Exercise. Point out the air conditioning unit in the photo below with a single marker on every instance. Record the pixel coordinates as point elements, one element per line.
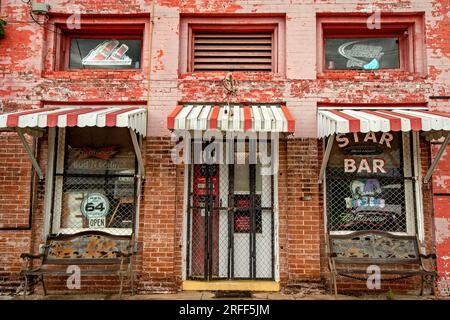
<point>40,8</point>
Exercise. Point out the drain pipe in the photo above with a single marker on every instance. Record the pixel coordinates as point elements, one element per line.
<point>150,49</point>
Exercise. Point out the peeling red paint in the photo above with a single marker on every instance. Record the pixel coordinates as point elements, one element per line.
<point>159,65</point>
<point>27,80</point>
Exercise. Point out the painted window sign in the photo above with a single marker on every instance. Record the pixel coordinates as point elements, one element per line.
<point>365,183</point>
<point>105,53</point>
<point>362,53</point>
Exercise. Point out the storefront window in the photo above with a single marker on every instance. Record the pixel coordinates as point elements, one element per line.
<point>95,187</point>
<point>362,53</point>
<point>105,53</point>
<point>366,183</point>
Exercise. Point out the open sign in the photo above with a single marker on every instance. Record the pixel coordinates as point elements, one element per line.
<point>97,223</point>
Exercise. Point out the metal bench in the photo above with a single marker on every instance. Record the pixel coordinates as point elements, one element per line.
<point>99,253</point>
<point>398,257</point>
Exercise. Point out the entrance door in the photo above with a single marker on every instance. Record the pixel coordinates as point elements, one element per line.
<point>204,226</point>
<point>230,223</point>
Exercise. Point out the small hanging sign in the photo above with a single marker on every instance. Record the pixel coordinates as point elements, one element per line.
<point>242,224</point>
<point>95,207</point>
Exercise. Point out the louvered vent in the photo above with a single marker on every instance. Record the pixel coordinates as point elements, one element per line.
<point>238,51</point>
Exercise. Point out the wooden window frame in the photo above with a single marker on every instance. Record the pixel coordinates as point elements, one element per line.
<point>409,190</point>
<point>58,170</point>
<point>129,27</point>
<point>407,28</point>
<point>237,24</point>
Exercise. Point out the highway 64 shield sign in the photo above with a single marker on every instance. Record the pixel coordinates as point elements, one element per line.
<point>95,207</point>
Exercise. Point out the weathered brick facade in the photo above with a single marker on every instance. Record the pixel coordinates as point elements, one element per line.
<point>28,80</point>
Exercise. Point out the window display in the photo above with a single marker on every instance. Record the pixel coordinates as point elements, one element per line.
<point>96,183</point>
<point>366,183</point>
<point>362,53</point>
<point>105,53</point>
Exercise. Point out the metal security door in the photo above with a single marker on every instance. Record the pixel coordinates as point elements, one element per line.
<point>204,222</point>
<point>230,223</point>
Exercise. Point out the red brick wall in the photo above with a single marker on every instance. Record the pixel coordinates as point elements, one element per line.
<point>27,81</point>
<point>161,219</point>
<point>16,183</point>
<point>300,219</point>
<point>15,174</point>
<point>441,199</point>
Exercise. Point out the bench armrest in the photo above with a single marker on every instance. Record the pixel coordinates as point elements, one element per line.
<point>428,256</point>
<point>123,254</point>
<point>31,256</point>
<point>27,259</point>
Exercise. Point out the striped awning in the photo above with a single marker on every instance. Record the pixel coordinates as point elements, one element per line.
<point>336,121</point>
<point>269,118</point>
<point>133,117</point>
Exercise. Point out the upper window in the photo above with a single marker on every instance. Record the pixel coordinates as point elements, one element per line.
<point>362,53</point>
<point>232,44</point>
<point>97,44</point>
<point>111,53</point>
<point>347,43</point>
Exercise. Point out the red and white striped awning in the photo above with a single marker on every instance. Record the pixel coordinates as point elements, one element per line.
<point>268,118</point>
<point>336,121</point>
<point>100,116</point>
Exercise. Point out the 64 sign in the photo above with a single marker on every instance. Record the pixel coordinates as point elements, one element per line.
<point>95,207</point>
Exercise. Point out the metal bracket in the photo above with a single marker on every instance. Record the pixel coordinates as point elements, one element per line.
<point>138,153</point>
<point>438,157</point>
<point>34,162</point>
<point>326,156</point>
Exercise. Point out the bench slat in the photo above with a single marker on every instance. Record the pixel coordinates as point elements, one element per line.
<point>89,250</point>
<point>372,247</point>
<point>83,261</point>
<point>363,271</point>
<point>379,261</point>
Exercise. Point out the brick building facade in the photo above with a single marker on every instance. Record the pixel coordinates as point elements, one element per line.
<point>38,71</point>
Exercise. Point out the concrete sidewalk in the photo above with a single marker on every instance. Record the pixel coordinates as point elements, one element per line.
<point>195,295</point>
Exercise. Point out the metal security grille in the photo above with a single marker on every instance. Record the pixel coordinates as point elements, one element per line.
<point>94,185</point>
<point>362,199</point>
<point>230,230</point>
<point>351,210</point>
<point>119,190</point>
<point>232,51</point>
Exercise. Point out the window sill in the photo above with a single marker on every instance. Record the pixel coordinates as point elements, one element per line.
<point>113,231</point>
<point>237,75</point>
<point>385,74</point>
<point>395,233</point>
<point>132,74</point>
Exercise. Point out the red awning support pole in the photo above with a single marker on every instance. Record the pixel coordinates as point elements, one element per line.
<point>326,156</point>
<point>138,153</point>
<point>34,162</point>
<point>437,158</point>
